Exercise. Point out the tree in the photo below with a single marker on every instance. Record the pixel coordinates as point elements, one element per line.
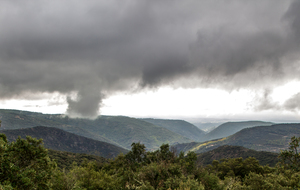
<point>137,154</point>
<point>291,158</point>
<point>24,164</point>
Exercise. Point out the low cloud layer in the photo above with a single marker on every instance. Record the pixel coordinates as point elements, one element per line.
<point>95,48</point>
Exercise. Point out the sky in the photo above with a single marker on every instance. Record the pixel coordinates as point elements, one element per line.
<point>193,59</point>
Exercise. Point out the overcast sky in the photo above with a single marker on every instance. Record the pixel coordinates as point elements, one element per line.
<point>158,58</point>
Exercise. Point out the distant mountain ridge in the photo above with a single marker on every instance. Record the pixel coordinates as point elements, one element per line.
<point>261,138</point>
<point>17,119</point>
<point>61,140</point>
<point>230,128</point>
<point>118,130</point>
<point>180,127</point>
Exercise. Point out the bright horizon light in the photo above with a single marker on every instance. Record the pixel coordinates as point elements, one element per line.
<point>173,103</point>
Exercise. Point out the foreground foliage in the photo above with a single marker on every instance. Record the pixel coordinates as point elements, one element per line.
<point>164,169</point>
<point>24,164</point>
<point>66,159</point>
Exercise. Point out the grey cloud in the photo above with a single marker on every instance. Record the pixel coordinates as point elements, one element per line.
<point>95,48</point>
<point>86,104</point>
<point>57,101</point>
<point>293,103</point>
<point>293,17</point>
<point>265,102</point>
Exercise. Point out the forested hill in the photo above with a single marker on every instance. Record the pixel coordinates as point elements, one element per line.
<point>180,127</point>
<point>17,119</point>
<point>58,139</point>
<point>118,130</point>
<point>262,138</point>
<point>227,151</point>
<point>230,128</point>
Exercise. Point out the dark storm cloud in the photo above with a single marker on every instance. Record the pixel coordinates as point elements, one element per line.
<point>293,17</point>
<point>94,48</point>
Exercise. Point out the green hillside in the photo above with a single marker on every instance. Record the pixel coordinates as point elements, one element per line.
<point>230,128</point>
<point>262,138</point>
<point>227,151</point>
<point>61,140</point>
<point>17,119</point>
<point>180,127</point>
<point>118,130</point>
<point>126,130</point>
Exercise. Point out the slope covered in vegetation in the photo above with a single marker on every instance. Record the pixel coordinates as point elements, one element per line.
<point>227,151</point>
<point>118,130</point>
<point>262,138</point>
<point>180,127</point>
<point>229,128</point>
<point>58,139</point>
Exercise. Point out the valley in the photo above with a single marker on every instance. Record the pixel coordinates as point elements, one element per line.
<point>107,136</point>
<point>109,147</point>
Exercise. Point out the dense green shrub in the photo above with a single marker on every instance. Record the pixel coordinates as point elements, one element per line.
<point>24,164</point>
